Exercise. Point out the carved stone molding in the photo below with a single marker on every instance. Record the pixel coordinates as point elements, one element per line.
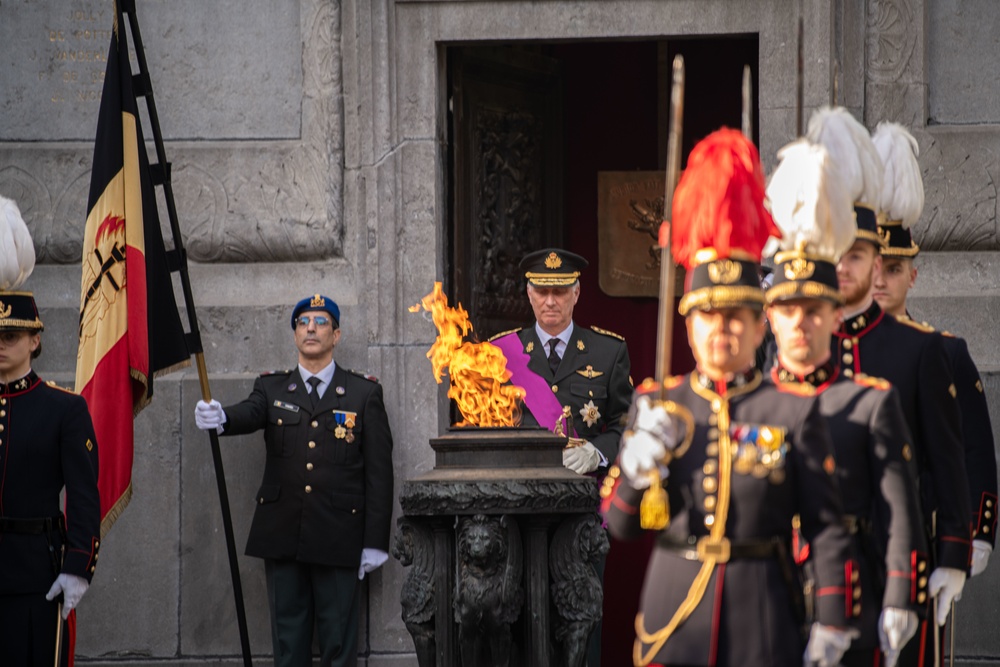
<point>255,200</point>
<point>891,34</point>
<point>454,497</point>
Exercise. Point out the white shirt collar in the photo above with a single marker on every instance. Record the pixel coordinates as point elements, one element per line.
<point>563,335</point>
<point>325,376</point>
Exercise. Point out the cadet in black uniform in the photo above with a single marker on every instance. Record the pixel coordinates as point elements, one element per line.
<point>876,344</point>
<point>902,204</point>
<point>47,444</point>
<point>324,505</point>
<point>870,437</point>
<point>585,370</point>
<point>738,457</point>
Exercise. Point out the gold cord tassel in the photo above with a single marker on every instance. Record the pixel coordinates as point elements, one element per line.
<point>654,509</point>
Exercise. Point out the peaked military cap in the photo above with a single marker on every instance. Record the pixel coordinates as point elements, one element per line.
<point>552,267</point>
<point>317,302</point>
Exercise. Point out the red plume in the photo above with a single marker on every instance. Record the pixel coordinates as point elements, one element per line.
<point>719,201</point>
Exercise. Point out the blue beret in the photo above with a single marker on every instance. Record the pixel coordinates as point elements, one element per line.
<point>317,302</point>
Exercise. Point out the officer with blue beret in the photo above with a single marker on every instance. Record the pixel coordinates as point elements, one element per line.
<point>325,502</point>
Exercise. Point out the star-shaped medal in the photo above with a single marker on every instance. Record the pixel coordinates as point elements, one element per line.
<point>589,413</point>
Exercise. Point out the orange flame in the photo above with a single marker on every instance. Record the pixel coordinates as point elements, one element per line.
<point>477,371</point>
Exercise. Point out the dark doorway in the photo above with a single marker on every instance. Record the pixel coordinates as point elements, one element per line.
<point>599,106</point>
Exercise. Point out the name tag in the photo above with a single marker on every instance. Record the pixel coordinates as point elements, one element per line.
<point>286,406</point>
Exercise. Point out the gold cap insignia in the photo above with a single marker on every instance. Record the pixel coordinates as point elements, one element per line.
<point>317,301</point>
<point>5,309</point>
<point>553,261</point>
<point>799,269</point>
<point>724,272</point>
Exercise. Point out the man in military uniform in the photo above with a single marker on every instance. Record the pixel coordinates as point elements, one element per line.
<point>902,204</point>
<point>324,506</point>
<point>47,558</point>
<point>736,457</point>
<point>563,366</point>
<point>877,345</point>
<point>870,437</point>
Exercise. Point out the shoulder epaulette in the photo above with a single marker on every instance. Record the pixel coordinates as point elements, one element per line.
<point>608,333</point>
<point>503,333</point>
<point>796,388</point>
<point>51,383</point>
<point>287,371</point>
<point>875,382</point>
<point>649,385</point>
<point>366,376</point>
<point>919,326</point>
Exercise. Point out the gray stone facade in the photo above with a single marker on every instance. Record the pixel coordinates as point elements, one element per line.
<point>309,153</point>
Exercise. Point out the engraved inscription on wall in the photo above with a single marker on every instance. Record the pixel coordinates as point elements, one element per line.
<point>221,69</point>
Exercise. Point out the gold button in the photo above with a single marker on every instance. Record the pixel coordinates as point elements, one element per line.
<point>354,511</point>
<point>97,543</point>
<point>261,501</point>
<point>856,610</point>
<point>712,449</point>
<point>96,556</point>
<point>709,520</point>
<point>854,575</point>
<point>986,529</point>
<point>922,582</point>
<point>309,466</point>
<point>989,503</point>
<point>3,413</point>
<point>709,485</point>
<point>848,344</point>
<point>3,401</point>
<point>848,372</point>
<point>709,467</point>
<point>713,419</point>
<point>848,358</point>
<point>921,598</point>
<point>92,568</point>
<point>280,422</point>
<point>857,593</point>
<point>309,489</point>
<point>713,434</point>
<point>314,424</point>
<point>710,503</point>
<point>555,388</point>
<point>987,514</point>
<point>312,445</point>
<point>921,566</point>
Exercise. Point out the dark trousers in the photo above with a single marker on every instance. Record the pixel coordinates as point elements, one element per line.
<point>300,595</point>
<point>28,631</point>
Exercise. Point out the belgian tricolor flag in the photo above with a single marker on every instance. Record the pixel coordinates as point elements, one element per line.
<point>130,329</point>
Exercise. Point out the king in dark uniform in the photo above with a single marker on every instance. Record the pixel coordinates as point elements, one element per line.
<point>871,440</point>
<point>901,206</point>
<point>876,344</point>
<point>735,457</point>
<point>325,502</point>
<point>47,445</point>
<point>567,370</point>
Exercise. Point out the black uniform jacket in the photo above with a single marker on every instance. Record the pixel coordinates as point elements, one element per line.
<point>594,371</point>
<point>914,361</point>
<point>46,442</point>
<point>877,478</point>
<point>782,465</point>
<point>327,487</point>
<point>977,437</point>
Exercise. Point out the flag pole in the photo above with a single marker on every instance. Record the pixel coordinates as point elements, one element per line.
<point>177,261</point>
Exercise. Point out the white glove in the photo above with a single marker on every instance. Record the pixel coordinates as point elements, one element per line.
<point>209,415</point>
<point>582,459</point>
<point>72,588</point>
<point>981,550</point>
<point>371,560</point>
<point>946,585</point>
<point>896,627</point>
<point>827,645</point>
<point>646,446</point>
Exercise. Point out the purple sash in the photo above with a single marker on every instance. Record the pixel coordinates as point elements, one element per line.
<point>539,399</point>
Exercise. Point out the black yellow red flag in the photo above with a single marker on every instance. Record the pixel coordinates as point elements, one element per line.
<point>130,330</point>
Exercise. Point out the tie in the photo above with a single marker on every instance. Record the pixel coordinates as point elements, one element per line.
<point>314,394</point>
<point>553,357</point>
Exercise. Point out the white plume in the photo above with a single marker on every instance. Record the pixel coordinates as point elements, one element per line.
<point>852,151</point>
<point>902,186</point>
<point>810,202</point>
<point>17,252</point>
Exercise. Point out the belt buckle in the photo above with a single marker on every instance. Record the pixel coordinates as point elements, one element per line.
<point>717,550</point>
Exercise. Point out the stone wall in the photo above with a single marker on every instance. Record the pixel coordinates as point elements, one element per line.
<point>309,153</point>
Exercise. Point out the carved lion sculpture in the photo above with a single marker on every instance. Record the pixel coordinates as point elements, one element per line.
<point>488,591</point>
<point>576,590</point>
<point>414,548</point>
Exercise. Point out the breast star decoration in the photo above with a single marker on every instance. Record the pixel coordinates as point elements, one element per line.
<point>589,413</point>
